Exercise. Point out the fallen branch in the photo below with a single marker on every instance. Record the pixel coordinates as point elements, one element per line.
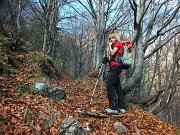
<point>90,114</point>
<point>120,116</point>
<point>85,114</point>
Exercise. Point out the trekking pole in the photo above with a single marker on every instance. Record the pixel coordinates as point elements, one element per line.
<point>101,75</point>
<point>102,78</point>
<point>100,93</point>
<point>96,83</point>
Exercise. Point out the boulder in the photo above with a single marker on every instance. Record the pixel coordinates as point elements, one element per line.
<point>48,90</point>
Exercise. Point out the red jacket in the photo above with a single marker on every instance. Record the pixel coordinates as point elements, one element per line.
<point>117,44</point>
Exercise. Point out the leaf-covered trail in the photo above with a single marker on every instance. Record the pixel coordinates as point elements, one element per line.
<point>33,114</point>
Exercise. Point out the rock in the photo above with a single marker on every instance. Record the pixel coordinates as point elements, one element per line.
<point>119,128</point>
<point>71,127</point>
<point>48,90</point>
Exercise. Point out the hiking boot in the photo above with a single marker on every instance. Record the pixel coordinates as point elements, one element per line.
<point>110,111</point>
<point>121,110</point>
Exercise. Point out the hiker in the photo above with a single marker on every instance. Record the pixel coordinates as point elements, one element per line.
<point>114,89</point>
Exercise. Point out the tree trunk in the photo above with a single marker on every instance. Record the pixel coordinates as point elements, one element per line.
<point>49,29</point>
<point>18,22</point>
<point>99,34</point>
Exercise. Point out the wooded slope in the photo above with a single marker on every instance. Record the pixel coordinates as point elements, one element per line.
<point>25,113</point>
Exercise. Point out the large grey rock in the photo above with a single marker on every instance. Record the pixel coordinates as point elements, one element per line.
<point>48,90</point>
<point>71,127</point>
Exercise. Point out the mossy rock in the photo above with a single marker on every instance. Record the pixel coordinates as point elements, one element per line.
<point>46,64</point>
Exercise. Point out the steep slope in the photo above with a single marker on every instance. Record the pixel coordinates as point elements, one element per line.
<point>25,113</point>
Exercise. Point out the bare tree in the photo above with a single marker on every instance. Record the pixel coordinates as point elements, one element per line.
<point>50,9</point>
<point>103,22</point>
<point>11,18</point>
<point>47,12</point>
<point>77,46</point>
<point>160,81</point>
<point>145,35</point>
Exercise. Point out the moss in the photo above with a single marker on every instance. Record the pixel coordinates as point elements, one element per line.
<point>7,58</point>
<point>5,61</point>
<point>46,64</point>
<point>130,106</point>
<point>39,57</point>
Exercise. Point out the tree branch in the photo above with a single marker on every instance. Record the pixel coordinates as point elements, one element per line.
<point>170,18</point>
<point>90,114</point>
<point>160,46</point>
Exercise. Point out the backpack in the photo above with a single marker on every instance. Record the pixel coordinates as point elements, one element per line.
<point>126,57</point>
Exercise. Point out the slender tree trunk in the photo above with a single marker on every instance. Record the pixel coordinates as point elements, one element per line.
<point>18,22</point>
<point>99,33</point>
<point>49,29</point>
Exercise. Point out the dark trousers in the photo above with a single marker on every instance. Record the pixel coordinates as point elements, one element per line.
<point>114,89</point>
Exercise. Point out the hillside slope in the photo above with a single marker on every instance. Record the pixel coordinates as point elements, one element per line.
<point>25,113</point>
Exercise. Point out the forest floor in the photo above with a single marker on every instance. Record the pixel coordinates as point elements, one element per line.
<point>24,113</point>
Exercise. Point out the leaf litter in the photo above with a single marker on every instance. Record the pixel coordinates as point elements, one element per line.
<point>33,114</point>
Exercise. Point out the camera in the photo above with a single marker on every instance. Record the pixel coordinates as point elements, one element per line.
<point>105,59</point>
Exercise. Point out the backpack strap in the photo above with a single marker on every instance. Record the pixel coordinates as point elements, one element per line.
<point>117,58</point>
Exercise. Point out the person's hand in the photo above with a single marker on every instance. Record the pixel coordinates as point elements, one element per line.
<point>110,43</point>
